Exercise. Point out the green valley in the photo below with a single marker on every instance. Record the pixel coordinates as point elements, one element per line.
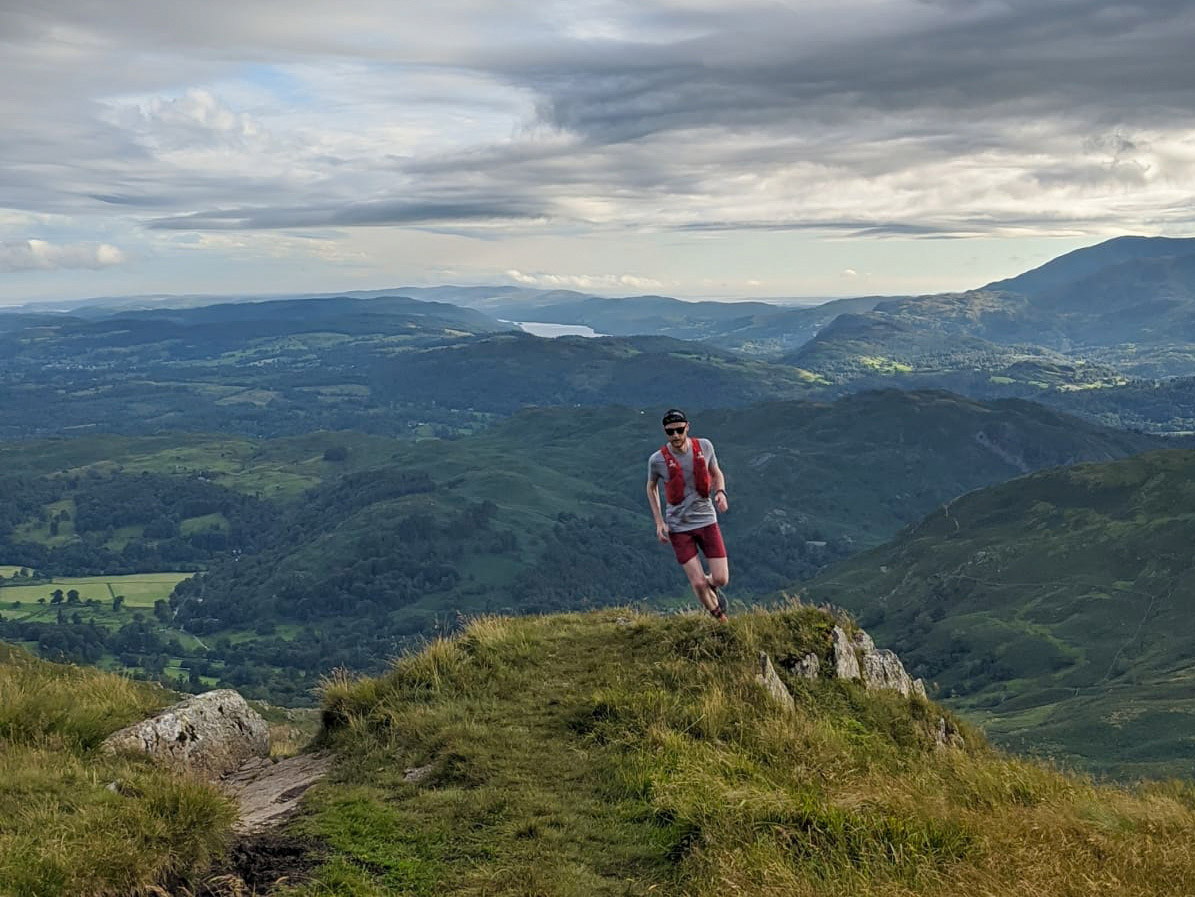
<point>348,561</point>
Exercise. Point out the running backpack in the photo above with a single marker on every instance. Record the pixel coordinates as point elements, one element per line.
<point>674,489</point>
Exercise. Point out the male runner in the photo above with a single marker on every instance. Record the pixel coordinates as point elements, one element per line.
<point>694,487</point>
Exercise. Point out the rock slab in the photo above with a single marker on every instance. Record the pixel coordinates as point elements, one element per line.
<point>882,669</point>
<point>210,735</point>
<point>268,793</point>
<point>846,664</point>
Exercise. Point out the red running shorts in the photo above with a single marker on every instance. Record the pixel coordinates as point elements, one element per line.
<point>708,539</point>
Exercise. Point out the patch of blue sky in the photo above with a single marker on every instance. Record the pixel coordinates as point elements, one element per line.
<point>279,83</point>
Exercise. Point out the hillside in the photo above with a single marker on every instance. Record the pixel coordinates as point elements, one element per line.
<point>1124,308</point>
<point>1083,263</point>
<point>617,753</point>
<point>609,753</point>
<point>389,366</point>
<point>1053,608</point>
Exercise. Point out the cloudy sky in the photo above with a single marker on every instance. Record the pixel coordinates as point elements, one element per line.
<point>688,147</point>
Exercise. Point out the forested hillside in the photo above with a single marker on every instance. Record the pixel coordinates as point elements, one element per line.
<point>1055,608</point>
<point>338,549</point>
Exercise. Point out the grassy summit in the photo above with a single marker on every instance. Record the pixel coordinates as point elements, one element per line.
<point>614,753</point>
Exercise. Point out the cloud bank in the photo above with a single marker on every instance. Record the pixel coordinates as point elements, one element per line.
<point>32,255</point>
<point>860,118</point>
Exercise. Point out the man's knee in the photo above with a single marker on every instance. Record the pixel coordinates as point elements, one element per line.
<point>720,578</point>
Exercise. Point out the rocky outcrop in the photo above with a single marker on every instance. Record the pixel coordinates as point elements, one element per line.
<point>209,735</point>
<point>770,680</point>
<point>883,669</point>
<point>858,658</point>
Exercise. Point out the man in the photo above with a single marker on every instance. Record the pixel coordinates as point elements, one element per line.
<point>694,491</point>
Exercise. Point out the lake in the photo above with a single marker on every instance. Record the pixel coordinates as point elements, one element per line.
<point>539,328</point>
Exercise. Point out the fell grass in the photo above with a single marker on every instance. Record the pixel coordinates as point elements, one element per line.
<point>615,753</point>
<point>76,822</point>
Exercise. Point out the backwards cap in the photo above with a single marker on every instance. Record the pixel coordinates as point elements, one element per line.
<point>675,416</point>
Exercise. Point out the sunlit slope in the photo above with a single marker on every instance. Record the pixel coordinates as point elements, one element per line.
<point>614,753</point>
<point>1056,608</point>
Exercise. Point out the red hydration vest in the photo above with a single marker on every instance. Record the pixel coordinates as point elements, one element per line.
<point>674,489</point>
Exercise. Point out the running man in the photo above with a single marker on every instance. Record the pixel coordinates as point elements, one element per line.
<point>695,490</point>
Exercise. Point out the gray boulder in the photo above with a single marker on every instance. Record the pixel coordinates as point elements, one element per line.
<point>846,664</point>
<point>210,735</point>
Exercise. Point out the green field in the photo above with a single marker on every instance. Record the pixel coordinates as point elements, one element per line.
<point>139,589</point>
<point>7,571</point>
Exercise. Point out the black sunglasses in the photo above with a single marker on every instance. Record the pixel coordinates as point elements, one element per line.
<point>672,431</point>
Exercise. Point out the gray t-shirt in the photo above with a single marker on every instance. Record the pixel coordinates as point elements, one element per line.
<point>693,512</point>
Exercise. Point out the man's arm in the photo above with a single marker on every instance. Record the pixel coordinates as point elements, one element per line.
<point>653,502</point>
<point>718,487</point>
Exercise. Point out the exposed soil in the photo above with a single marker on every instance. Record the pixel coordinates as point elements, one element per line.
<point>261,862</point>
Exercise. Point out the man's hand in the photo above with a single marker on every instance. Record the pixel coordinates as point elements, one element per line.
<point>662,532</point>
<point>721,503</point>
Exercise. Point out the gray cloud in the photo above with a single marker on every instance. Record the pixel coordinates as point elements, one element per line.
<point>907,118</point>
<point>388,212</point>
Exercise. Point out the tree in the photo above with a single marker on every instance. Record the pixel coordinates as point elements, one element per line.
<point>117,601</point>
<point>56,596</point>
<point>72,596</point>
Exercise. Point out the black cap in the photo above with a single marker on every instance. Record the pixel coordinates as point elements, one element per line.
<point>675,416</point>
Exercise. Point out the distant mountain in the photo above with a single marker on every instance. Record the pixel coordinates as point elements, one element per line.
<point>1122,309</point>
<point>1054,608</point>
<point>505,372</point>
<point>1081,264</point>
<point>273,367</point>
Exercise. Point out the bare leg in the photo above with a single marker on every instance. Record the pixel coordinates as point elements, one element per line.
<point>700,584</point>
<point>719,571</point>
